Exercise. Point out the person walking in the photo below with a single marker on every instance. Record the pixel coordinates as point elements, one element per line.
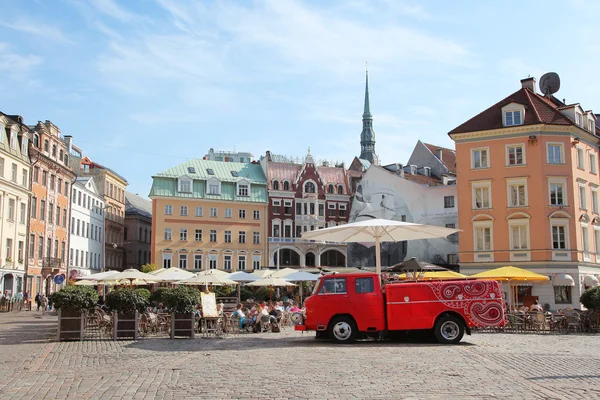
<point>38,301</point>
<point>44,303</point>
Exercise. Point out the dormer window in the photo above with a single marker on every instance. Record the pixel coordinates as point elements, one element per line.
<point>210,171</point>
<point>213,186</point>
<point>427,171</point>
<point>36,140</point>
<point>185,185</point>
<point>286,185</point>
<point>243,188</point>
<point>24,146</point>
<point>579,119</point>
<point>513,114</point>
<point>309,187</point>
<point>330,189</point>
<point>340,189</point>
<point>234,174</point>
<point>13,140</point>
<point>413,169</point>
<point>191,170</point>
<point>513,118</point>
<point>275,185</point>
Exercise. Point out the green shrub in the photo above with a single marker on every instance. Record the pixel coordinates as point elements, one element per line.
<point>182,299</point>
<point>145,293</point>
<point>157,295</point>
<point>591,298</point>
<point>126,300</point>
<point>149,268</point>
<point>225,291</point>
<point>75,298</point>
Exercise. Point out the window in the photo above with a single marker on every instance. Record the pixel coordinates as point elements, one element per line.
<point>364,285</point>
<point>512,118</point>
<point>585,238</point>
<point>519,237</point>
<point>298,231</point>
<point>168,210</point>
<point>241,263</point>
<point>60,187</point>
<point>213,211</point>
<point>483,238</point>
<point>555,153</point>
<point>228,213</point>
<point>40,247</point>
<point>242,237</point>
<point>275,185</point>
<point>34,207</point>
<point>562,294</point>
<point>256,214</point>
<point>557,193</point>
<point>183,260</point>
<point>330,189</point>
<point>227,236</point>
<point>517,193</point>
<point>256,237</point>
<point>287,230</point>
<point>340,189</point>
<point>309,187</point>
<point>479,158</point>
<point>168,233</point>
<point>183,234</point>
<point>578,119</point>
<point>255,262</point>
<point>333,286</point>
<point>286,185</point>
<point>11,209</point>
<point>197,261</point>
<point>31,246</point>
<point>212,261</point>
<point>593,163</point>
<point>14,172</point>
<point>448,201</point>
<point>9,244</point>
<point>213,236</point>
<point>276,206</point>
<point>515,155</point>
<point>582,200</point>
<point>481,195</point>
<point>24,181</point>
<point>213,188</point>
<point>342,210</point>
<point>321,210</point>
<point>597,239</point>
<point>57,221</point>
<point>580,163</point>
<point>22,212</point>
<point>227,262</point>
<point>242,214</point>
<point>243,189</point>
<point>198,211</point>
<point>198,235</point>
<point>183,211</point>
<point>167,257</point>
<point>276,229</point>
<point>44,178</point>
<point>287,207</point>
<point>595,201</point>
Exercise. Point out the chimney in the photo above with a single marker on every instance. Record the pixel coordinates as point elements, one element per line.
<point>438,154</point>
<point>528,83</point>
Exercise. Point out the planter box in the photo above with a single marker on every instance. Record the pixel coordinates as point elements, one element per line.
<point>125,326</point>
<point>182,325</point>
<point>70,325</point>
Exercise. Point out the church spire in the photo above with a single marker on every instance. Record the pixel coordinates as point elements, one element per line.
<point>367,136</point>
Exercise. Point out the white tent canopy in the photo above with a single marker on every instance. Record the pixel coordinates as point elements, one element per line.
<point>301,276</point>
<point>132,276</point>
<point>98,276</point>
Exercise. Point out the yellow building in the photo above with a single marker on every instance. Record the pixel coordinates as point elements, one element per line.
<point>210,215</point>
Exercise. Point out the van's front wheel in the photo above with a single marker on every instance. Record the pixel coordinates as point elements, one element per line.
<point>449,329</point>
<point>342,330</point>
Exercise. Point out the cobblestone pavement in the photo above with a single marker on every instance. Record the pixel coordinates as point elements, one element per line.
<point>292,365</point>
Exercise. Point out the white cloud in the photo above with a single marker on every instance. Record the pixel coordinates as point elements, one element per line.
<point>115,11</point>
<point>37,28</point>
<point>17,65</point>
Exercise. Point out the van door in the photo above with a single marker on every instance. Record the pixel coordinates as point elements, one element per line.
<point>366,304</point>
<point>334,292</point>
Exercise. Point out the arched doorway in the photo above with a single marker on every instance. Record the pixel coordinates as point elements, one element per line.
<point>8,284</point>
<point>310,259</point>
<point>333,258</point>
<point>289,257</point>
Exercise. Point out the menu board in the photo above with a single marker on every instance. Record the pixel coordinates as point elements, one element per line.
<point>209,304</point>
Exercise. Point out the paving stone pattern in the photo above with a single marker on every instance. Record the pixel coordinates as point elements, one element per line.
<point>292,365</point>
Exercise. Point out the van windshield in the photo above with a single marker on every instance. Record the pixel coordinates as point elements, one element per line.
<point>317,284</point>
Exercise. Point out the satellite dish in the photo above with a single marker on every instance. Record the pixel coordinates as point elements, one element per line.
<point>549,83</point>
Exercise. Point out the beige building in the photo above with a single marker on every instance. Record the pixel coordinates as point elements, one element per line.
<point>210,215</point>
<point>14,203</point>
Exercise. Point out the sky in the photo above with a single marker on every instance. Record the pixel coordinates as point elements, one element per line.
<point>144,85</point>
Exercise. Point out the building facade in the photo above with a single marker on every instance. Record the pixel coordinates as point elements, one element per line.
<point>138,230</point>
<point>229,156</point>
<point>528,193</point>
<point>210,215</point>
<point>304,197</point>
<point>14,204</point>
<point>86,247</point>
<point>51,182</point>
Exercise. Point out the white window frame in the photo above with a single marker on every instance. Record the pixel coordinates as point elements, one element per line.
<point>198,235</point>
<point>481,185</point>
<point>213,187</point>
<point>579,119</point>
<point>584,229</point>
<point>213,234</point>
<point>242,237</point>
<point>331,206</point>
<point>256,214</point>
<point>243,188</point>
<point>519,223</point>
<point>168,235</point>
<point>276,223</point>
<point>182,182</point>
<point>344,206</point>
<point>483,224</point>
<point>214,212</point>
<point>241,262</point>
<point>213,260</point>
<point>198,256</point>
<point>255,237</point>
<point>594,193</point>
<point>593,160</point>
<point>183,234</point>
<point>562,182</point>
<point>168,209</point>
<point>227,261</point>
<point>580,157</point>
<point>183,211</point>
<point>227,236</point>
<point>480,149</point>
<point>511,109</point>
<point>242,214</point>
<point>561,147</point>
<point>228,213</point>
<point>510,183</point>
<point>167,259</point>
<point>582,197</point>
<point>560,224</point>
<point>596,230</point>
<point>510,147</point>
<point>199,211</point>
<point>256,261</point>
<point>182,261</point>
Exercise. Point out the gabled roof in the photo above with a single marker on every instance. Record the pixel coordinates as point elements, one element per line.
<point>221,170</point>
<point>137,205</point>
<point>448,156</point>
<point>333,175</point>
<point>538,110</point>
<point>282,172</point>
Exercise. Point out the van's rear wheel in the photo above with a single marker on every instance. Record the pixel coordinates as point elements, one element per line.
<point>449,329</point>
<point>342,329</point>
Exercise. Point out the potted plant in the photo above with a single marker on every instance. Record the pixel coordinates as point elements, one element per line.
<point>157,295</point>
<point>591,299</point>
<point>126,303</point>
<point>182,302</point>
<point>73,303</point>
<point>8,259</point>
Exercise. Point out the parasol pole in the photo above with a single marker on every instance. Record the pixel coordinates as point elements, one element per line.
<point>378,255</point>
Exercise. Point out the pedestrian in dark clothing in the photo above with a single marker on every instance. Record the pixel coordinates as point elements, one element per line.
<point>38,301</point>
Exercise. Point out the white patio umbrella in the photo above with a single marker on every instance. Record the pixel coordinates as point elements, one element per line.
<point>269,281</point>
<point>242,276</point>
<point>210,277</point>
<point>262,273</point>
<point>98,276</point>
<point>378,230</point>
<point>132,276</point>
<point>282,273</point>
<point>174,274</point>
<point>301,276</point>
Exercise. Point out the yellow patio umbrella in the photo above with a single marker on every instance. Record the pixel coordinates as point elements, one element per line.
<point>511,274</point>
<point>437,275</point>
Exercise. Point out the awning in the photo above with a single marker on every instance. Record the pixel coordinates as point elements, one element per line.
<point>591,281</point>
<point>563,280</point>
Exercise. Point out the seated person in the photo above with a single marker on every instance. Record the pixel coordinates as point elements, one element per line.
<point>275,315</point>
<point>536,307</point>
<point>239,313</point>
<point>220,309</point>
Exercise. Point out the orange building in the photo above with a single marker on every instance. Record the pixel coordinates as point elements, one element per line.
<point>52,179</point>
<point>528,193</point>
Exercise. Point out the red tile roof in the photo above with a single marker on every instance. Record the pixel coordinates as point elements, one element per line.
<point>282,172</point>
<point>423,179</point>
<point>448,156</point>
<point>538,110</point>
<point>333,175</point>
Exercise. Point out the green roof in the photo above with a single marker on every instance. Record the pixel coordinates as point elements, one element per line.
<point>165,183</point>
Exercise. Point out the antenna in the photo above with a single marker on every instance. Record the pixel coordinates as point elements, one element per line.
<point>549,83</point>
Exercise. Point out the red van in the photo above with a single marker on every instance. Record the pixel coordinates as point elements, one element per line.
<point>344,306</point>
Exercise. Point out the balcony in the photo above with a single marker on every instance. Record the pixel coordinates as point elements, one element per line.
<point>51,262</point>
